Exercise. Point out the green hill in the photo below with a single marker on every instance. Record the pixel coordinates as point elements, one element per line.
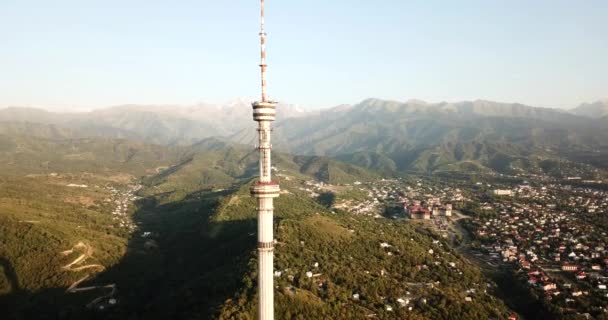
<point>368,159</point>
<point>189,241</point>
<point>205,263</point>
<point>351,261</point>
<point>27,154</point>
<point>214,163</point>
<point>59,193</point>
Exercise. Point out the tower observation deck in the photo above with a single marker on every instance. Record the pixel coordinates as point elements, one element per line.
<point>265,190</point>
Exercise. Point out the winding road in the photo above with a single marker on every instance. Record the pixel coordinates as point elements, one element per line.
<point>73,266</point>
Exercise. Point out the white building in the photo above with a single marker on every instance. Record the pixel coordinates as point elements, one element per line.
<point>503,192</point>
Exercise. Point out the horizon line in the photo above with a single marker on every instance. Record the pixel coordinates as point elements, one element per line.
<point>85,109</point>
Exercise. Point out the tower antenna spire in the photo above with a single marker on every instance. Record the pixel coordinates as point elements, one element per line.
<point>263,64</point>
<point>265,190</point>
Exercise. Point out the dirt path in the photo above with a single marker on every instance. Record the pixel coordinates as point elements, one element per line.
<point>87,253</point>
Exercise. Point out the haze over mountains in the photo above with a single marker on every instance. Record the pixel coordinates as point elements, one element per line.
<point>158,124</point>
<point>594,110</point>
<point>386,136</point>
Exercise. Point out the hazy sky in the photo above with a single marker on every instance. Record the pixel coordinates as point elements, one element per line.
<point>86,54</point>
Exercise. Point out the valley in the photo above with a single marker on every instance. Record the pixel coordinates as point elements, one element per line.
<point>303,160</point>
<point>405,224</point>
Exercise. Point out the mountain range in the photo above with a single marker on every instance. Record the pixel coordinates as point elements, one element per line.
<point>66,178</point>
<point>386,136</point>
<point>157,124</point>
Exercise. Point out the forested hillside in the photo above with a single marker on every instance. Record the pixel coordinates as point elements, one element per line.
<point>21,155</point>
<point>353,276</point>
<point>80,239</point>
<point>93,226</point>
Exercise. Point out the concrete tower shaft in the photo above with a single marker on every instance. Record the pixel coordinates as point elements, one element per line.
<point>265,190</point>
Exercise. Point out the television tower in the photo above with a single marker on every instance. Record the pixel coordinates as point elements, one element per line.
<point>265,190</point>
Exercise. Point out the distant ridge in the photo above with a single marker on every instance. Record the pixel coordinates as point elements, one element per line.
<point>383,135</point>
<point>158,124</point>
<point>593,110</point>
<point>478,135</point>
